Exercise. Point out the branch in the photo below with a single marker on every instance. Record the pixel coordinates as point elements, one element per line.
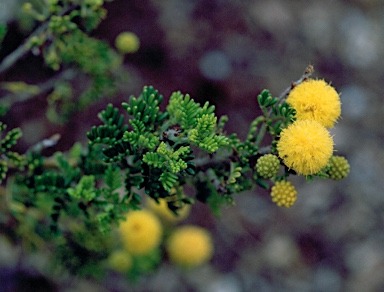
<point>24,48</point>
<point>307,73</point>
<point>21,51</point>
<point>44,87</point>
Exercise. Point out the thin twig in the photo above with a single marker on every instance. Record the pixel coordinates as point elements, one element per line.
<point>49,142</point>
<point>44,87</point>
<point>21,51</point>
<point>307,73</point>
<point>24,48</point>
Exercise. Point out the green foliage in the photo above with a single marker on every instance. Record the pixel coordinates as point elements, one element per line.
<point>9,159</point>
<point>10,138</point>
<point>3,31</point>
<point>74,49</point>
<point>145,108</point>
<point>197,123</point>
<point>63,41</point>
<point>234,173</point>
<point>168,180</point>
<point>113,179</point>
<point>266,100</point>
<point>84,190</point>
<point>166,158</point>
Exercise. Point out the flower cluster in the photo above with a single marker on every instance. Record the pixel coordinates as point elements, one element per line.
<point>121,261</point>
<point>190,246</point>
<point>161,209</point>
<point>267,165</point>
<point>316,100</point>
<point>284,193</point>
<point>306,145</point>
<point>338,167</point>
<point>141,232</point>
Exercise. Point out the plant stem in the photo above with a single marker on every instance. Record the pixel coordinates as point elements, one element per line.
<point>21,51</point>
<point>307,73</point>
<point>44,87</point>
<point>24,48</point>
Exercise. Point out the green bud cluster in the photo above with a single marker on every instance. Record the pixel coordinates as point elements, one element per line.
<point>338,167</point>
<point>3,170</point>
<point>267,166</point>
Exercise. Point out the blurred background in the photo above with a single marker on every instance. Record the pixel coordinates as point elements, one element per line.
<point>226,52</point>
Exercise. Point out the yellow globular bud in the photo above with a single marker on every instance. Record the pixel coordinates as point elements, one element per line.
<point>141,232</point>
<point>120,261</point>
<point>316,100</point>
<point>305,146</point>
<point>284,194</point>
<point>190,246</point>
<point>127,43</point>
<point>161,209</point>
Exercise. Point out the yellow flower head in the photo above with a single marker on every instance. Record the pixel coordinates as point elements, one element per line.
<point>305,146</point>
<point>316,100</point>
<point>283,194</point>
<point>167,215</point>
<point>141,232</point>
<point>120,261</point>
<point>127,43</point>
<point>190,246</point>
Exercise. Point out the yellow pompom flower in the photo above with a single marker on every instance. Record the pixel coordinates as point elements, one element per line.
<point>316,100</point>
<point>305,146</point>
<point>141,232</point>
<point>127,43</point>
<point>284,194</point>
<point>190,246</point>
<point>161,209</point>
<point>120,261</point>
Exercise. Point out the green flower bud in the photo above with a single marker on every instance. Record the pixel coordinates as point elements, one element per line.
<point>27,7</point>
<point>267,166</point>
<point>284,194</point>
<point>127,43</point>
<point>338,167</point>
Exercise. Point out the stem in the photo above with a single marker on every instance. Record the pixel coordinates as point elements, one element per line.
<point>24,48</point>
<point>261,134</point>
<point>12,98</point>
<point>21,51</point>
<point>307,73</point>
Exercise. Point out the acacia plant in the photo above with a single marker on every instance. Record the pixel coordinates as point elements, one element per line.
<point>71,200</point>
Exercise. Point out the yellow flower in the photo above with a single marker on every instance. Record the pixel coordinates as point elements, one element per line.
<point>305,146</point>
<point>190,246</point>
<point>283,193</point>
<point>165,214</point>
<point>141,232</point>
<point>315,100</point>
<point>127,43</point>
<point>120,261</point>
